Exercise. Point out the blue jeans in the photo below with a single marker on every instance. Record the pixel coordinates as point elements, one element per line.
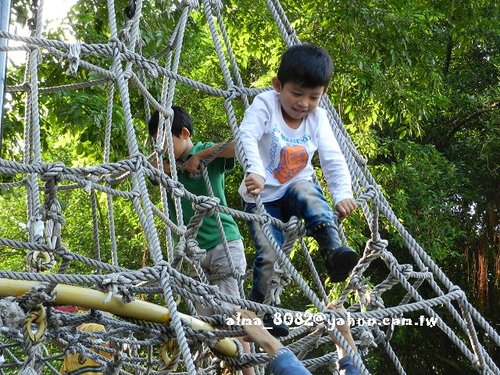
<point>303,199</point>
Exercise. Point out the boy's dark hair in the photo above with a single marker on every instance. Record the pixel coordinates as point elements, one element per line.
<point>307,65</point>
<point>180,120</point>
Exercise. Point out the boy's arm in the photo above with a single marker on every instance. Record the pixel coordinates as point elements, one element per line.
<point>335,169</point>
<point>252,128</point>
<point>344,362</point>
<point>193,164</point>
<point>283,361</point>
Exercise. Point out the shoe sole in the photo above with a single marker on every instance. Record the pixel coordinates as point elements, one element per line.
<point>340,263</point>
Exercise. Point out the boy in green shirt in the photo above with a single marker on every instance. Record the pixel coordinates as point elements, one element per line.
<point>216,262</point>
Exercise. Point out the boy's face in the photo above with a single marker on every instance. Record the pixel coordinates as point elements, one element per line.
<point>297,101</point>
<point>181,143</point>
<point>180,146</point>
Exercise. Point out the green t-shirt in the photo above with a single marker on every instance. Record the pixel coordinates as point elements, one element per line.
<point>208,235</point>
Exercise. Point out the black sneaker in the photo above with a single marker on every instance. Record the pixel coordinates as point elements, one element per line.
<point>340,262</point>
<point>277,330</point>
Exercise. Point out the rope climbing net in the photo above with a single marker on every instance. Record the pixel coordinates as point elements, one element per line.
<point>149,338</point>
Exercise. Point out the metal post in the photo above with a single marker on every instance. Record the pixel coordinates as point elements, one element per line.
<point>4,26</point>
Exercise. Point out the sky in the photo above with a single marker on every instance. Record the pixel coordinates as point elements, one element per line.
<point>56,9</point>
<point>53,11</point>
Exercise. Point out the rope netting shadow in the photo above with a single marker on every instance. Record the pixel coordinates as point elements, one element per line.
<point>168,336</point>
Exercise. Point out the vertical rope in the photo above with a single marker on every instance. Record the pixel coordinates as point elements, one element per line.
<point>95,226</point>
<point>176,322</point>
<point>109,197</point>
<point>165,133</point>
<point>107,152</point>
<point>281,20</point>
<point>232,58</point>
<point>138,177</point>
<point>32,132</point>
<point>140,185</point>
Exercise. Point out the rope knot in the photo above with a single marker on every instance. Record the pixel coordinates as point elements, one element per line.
<point>72,347</point>
<point>11,314</point>
<point>265,219</point>
<point>375,301</point>
<point>177,189</point>
<point>35,296</point>
<point>167,112</point>
<point>193,4</point>
<point>26,86</point>
<point>74,57</point>
<point>369,193</point>
<point>217,4</point>
<point>117,284</point>
<point>277,283</point>
<point>180,248</point>
<point>456,288</point>
<point>366,338</point>
<point>208,337</point>
<point>376,247</point>
<point>54,171</point>
<point>405,269</point>
<point>127,74</point>
<point>40,260</point>
<point>116,43</point>
<point>206,205</point>
<point>113,367</point>
<point>194,251</point>
<point>55,216</point>
<point>232,93</point>
<point>355,283</point>
<point>294,226</point>
<point>360,160</point>
<point>52,208</point>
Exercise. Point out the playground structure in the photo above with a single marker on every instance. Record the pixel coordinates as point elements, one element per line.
<point>148,328</point>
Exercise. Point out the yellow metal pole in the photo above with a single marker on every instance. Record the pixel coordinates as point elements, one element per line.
<point>94,299</point>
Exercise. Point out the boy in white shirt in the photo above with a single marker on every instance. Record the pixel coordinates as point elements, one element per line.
<point>280,133</point>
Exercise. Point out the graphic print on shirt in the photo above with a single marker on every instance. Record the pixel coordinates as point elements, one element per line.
<point>293,159</point>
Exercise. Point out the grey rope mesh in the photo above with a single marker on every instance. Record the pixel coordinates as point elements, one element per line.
<point>52,89</point>
<point>271,297</point>
<point>107,151</point>
<point>412,245</point>
<point>44,222</point>
<point>232,270</point>
<point>164,134</point>
<point>32,136</point>
<point>95,225</point>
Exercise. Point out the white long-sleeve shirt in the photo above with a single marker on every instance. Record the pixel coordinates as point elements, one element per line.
<point>281,154</point>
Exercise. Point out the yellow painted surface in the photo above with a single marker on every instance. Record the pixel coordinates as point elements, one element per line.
<point>94,299</point>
